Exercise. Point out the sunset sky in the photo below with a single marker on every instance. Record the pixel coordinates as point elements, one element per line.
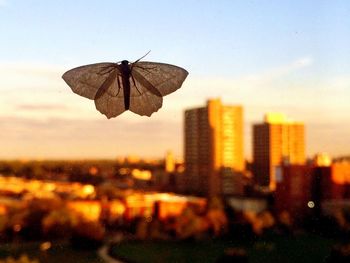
<point>286,56</point>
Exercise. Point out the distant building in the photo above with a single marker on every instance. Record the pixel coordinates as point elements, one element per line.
<point>335,187</point>
<point>335,181</point>
<point>277,141</point>
<point>322,159</point>
<point>232,182</point>
<point>169,162</point>
<point>213,147</point>
<point>305,189</point>
<point>294,190</point>
<point>341,174</point>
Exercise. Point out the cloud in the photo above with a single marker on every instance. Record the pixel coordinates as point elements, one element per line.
<point>301,63</point>
<point>29,67</point>
<point>253,80</point>
<point>36,90</point>
<point>26,77</point>
<point>23,83</point>
<point>39,114</point>
<point>76,138</point>
<point>64,138</point>
<point>272,74</point>
<point>265,87</point>
<point>41,107</point>
<point>332,138</point>
<point>280,87</point>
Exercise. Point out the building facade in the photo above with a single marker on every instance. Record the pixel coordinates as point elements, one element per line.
<point>277,141</point>
<point>305,189</point>
<point>296,190</point>
<point>213,147</point>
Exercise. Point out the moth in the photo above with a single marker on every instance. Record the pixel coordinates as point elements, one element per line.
<point>118,87</point>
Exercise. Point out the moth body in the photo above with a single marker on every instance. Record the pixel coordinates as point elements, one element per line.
<point>125,71</point>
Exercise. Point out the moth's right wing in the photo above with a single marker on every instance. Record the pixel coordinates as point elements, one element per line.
<point>89,80</point>
<point>142,101</point>
<point>150,82</point>
<point>162,79</point>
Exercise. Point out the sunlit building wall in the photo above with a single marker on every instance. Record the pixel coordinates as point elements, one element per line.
<point>341,173</point>
<point>89,210</point>
<point>169,162</point>
<point>277,141</point>
<point>335,181</point>
<point>213,143</point>
<point>168,205</point>
<point>322,159</point>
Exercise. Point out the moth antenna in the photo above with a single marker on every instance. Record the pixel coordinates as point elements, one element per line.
<point>142,57</point>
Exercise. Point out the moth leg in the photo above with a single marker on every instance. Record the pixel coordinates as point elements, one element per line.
<point>106,84</point>
<point>119,86</point>
<point>105,70</point>
<point>133,80</point>
<point>146,69</point>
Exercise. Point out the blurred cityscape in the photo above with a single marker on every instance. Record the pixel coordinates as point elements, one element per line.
<point>212,193</point>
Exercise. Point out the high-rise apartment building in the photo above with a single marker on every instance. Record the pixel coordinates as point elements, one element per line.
<point>213,147</point>
<point>276,141</point>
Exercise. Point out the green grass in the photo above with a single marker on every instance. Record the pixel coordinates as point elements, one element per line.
<point>306,248</point>
<point>58,253</point>
<point>274,249</point>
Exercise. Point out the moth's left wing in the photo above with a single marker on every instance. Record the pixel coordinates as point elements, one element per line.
<point>164,78</point>
<point>110,105</point>
<point>87,80</point>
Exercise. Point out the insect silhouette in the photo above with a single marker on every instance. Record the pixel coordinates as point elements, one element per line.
<point>118,87</point>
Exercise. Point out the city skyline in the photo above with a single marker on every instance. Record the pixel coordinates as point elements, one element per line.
<point>287,57</point>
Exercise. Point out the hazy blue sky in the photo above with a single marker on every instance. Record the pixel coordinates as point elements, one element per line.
<point>287,56</point>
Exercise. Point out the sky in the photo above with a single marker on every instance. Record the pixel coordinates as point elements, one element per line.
<point>285,56</point>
